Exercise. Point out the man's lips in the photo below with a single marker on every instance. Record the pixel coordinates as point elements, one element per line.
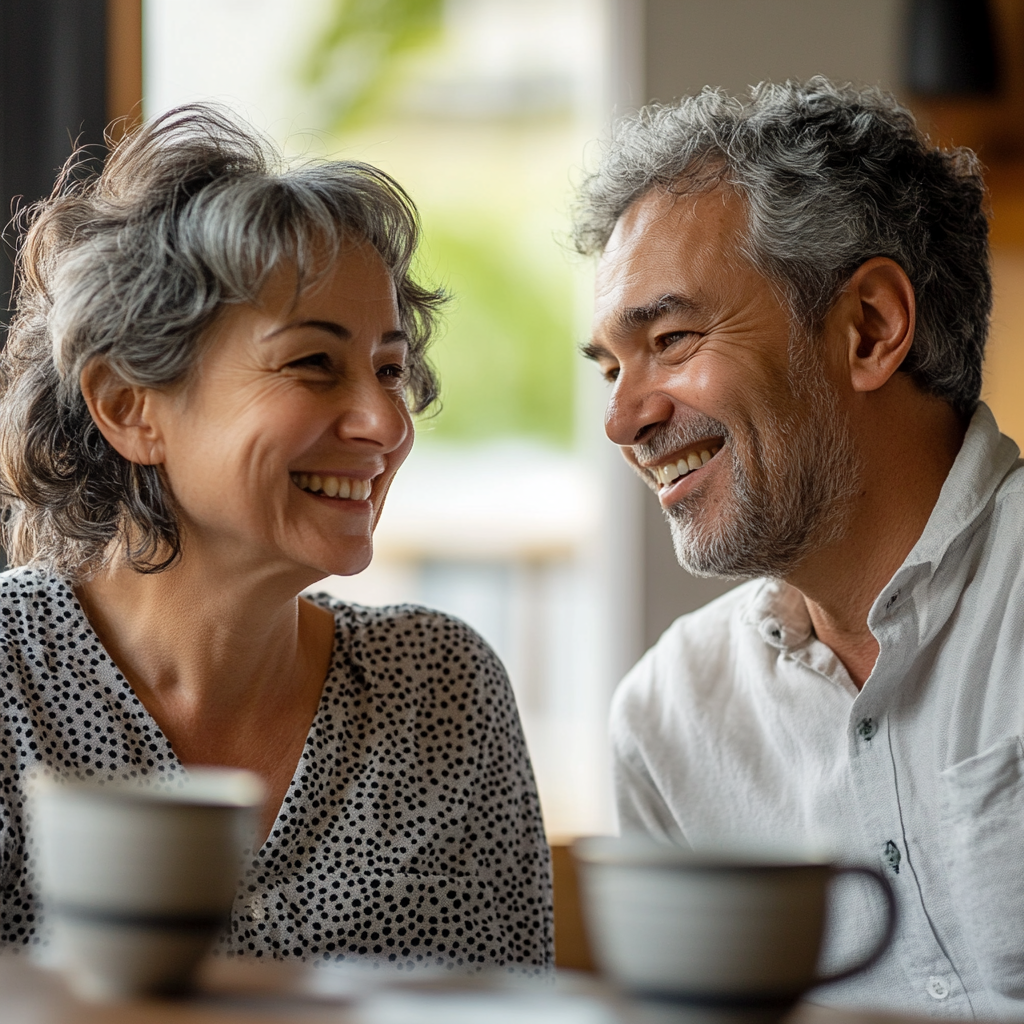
<point>681,464</point>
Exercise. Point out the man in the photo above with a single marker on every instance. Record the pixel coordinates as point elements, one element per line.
<point>792,303</point>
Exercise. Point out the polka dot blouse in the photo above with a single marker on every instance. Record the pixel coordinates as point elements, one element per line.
<point>411,831</point>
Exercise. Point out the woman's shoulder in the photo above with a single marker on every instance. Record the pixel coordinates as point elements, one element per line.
<point>411,624</point>
<point>421,645</point>
<point>34,594</point>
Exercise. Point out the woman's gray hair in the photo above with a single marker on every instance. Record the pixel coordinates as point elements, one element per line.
<point>192,212</point>
<point>832,176</point>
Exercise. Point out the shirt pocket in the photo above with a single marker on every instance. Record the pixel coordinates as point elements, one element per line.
<point>983,812</point>
<point>401,918</point>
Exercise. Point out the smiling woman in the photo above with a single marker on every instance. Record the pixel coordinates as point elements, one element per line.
<point>207,391</point>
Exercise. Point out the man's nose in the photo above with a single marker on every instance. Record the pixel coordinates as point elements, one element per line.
<point>634,409</point>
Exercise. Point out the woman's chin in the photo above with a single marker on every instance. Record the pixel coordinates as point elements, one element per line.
<point>349,563</point>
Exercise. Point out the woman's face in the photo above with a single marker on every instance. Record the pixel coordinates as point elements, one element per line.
<point>281,448</point>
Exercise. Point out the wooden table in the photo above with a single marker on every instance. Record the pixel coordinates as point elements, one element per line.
<point>246,992</point>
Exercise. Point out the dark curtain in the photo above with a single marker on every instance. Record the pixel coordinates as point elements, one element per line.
<point>52,97</point>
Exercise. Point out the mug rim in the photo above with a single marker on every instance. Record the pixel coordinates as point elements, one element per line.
<point>644,852</point>
<point>211,787</point>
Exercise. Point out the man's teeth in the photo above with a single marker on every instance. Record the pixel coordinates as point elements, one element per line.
<point>666,474</point>
<point>334,486</point>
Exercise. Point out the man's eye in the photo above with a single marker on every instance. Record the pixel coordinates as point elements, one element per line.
<point>611,375</point>
<point>675,337</point>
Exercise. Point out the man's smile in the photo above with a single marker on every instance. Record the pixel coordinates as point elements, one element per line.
<point>685,462</point>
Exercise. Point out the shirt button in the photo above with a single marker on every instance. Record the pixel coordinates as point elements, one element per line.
<point>937,988</point>
<point>866,728</point>
<point>892,856</point>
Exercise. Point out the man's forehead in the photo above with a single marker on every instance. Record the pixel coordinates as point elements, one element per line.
<point>668,244</point>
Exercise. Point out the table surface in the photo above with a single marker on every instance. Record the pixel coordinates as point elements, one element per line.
<point>249,991</point>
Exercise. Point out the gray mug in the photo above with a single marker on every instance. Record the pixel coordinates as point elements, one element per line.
<point>137,879</point>
<point>732,931</point>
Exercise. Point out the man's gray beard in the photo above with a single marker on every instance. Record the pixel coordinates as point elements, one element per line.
<point>802,501</point>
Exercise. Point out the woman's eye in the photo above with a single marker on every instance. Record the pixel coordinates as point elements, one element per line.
<point>394,372</point>
<point>316,361</point>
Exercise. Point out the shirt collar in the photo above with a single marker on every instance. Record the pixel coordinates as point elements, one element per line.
<point>779,613</point>
<point>984,459</point>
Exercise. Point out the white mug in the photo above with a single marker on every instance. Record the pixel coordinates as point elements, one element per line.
<point>137,878</point>
<point>727,932</point>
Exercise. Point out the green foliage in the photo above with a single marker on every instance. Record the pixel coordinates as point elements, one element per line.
<point>506,362</point>
<point>354,63</point>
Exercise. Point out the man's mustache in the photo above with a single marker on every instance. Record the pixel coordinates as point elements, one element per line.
<point>667,439</point>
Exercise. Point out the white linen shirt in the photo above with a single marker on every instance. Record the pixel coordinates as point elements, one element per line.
<point>740,727</point>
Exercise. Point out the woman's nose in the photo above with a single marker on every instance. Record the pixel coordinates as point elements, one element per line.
<point>374,415</point>
<point>634,407</point>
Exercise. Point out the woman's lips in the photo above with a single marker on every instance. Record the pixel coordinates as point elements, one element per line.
<point>346,487</point>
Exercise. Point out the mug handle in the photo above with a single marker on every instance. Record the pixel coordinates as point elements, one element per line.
<point>886,937</point>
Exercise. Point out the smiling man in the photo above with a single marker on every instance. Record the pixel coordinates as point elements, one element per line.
<point>792,303</point>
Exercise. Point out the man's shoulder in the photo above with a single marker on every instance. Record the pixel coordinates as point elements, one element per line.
<point>712,625</point>
<point>1001,526</point>
<point>696,651</point>
<point>1011,488</point>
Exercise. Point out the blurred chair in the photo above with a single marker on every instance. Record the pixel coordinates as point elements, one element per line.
<point>571,947</point>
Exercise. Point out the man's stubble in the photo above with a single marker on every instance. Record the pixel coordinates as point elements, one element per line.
<point>794,476</point>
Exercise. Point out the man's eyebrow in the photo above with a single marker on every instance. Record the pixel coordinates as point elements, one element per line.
<point>632,317</point>
<point>592,350</point>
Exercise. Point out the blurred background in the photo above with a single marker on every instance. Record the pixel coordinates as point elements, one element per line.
<point>514,512</point>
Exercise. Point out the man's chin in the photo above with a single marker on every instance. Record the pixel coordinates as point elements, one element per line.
<point>717,556</point>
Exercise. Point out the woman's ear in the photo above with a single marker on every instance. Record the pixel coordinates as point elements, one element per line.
<point>123,412</point>
<point>879,310</point>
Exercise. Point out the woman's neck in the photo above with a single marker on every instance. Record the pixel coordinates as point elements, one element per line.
<point>223,663</point>
<point>231,668</point>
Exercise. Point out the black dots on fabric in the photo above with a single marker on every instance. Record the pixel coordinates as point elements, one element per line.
<point>411,832</point>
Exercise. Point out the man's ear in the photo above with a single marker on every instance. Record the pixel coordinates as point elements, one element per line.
<point>123,412</point>
<point>877,314</point>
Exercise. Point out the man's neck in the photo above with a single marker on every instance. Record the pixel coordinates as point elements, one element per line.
<point>907,452</point>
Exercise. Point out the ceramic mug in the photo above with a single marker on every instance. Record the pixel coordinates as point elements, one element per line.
<point>731,932</point>
<point>137,878</point>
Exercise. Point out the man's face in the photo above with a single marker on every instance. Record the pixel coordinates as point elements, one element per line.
<point>740,433</point>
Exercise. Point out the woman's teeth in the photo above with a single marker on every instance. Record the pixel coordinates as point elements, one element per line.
<point>333,486</point>
<point>674,470</point>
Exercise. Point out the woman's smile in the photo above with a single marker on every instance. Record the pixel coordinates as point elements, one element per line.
<point>329,485</point>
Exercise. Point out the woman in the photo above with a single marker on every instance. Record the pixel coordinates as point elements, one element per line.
<point>206,394</point>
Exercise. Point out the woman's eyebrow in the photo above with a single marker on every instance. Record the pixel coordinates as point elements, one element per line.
<point>338,330</point>
<point>330,326</point>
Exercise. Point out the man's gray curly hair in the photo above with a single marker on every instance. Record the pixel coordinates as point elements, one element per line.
<point>832,176</point>
<point>192,212</point>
